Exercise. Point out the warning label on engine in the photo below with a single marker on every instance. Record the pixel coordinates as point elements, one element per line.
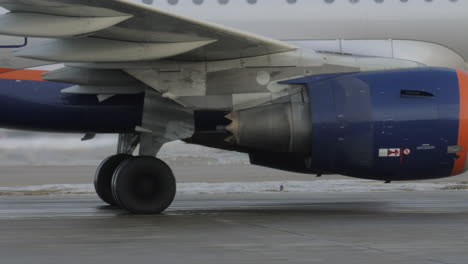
<point>393,152</point>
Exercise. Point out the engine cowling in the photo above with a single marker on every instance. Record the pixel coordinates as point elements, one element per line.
<point>388,125</point>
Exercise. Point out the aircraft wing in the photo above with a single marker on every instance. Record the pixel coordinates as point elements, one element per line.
<point>118,47</point>
<point>119,30</point>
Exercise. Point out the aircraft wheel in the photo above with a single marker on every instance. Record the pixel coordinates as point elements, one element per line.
<point>144,185</point>
<point>103,177</point>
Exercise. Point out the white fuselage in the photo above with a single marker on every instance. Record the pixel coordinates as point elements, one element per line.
<point>365,27</point>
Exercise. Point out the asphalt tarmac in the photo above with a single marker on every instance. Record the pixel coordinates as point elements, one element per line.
<point>390,227</point>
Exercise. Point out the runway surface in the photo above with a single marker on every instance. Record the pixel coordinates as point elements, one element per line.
<point>373,227</point>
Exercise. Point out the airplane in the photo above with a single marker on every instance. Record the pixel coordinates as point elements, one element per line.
<point>372,89</point>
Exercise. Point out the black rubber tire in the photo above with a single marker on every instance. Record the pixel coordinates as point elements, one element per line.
<point>144,185</point>
<point>103,177</point>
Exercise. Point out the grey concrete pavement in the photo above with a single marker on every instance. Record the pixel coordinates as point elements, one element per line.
<point>364,227</point>
<point>395,227</point>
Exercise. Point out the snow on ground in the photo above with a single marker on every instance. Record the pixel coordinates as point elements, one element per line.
<point>23,148</point>
<point>324,186</point>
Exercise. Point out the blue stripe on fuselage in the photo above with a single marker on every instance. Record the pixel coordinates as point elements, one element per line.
<point>39,105</point>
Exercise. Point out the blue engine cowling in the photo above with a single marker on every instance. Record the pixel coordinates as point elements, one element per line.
<point>388,125</point>
<point>395,125</point>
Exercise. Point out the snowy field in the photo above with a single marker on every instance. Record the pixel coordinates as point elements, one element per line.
<point>229,173</point>
<point>24,148</point>
<point>317,186</point>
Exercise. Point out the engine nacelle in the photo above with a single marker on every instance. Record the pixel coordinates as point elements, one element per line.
<point>388,125</point>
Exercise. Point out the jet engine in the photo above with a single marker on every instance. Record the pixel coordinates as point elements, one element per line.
<point>389,125</point>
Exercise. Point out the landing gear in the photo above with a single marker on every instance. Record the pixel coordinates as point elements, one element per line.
<point>144,185</point>
<point>141,185</point>
<point>103,178</point>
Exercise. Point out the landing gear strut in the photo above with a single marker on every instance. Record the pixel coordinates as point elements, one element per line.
<point>140,185</point>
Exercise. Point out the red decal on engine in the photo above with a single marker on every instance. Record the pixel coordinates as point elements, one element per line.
<point>394,152</point>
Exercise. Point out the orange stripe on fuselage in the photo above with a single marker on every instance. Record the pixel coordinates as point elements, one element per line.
<point>459,166</point>
<point>24,75</point>
<point>2,70</point>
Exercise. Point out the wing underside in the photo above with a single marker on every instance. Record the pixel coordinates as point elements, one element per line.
<point>138,32</point>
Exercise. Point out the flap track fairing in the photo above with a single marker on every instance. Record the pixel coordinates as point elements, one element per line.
<point>105,50</point>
